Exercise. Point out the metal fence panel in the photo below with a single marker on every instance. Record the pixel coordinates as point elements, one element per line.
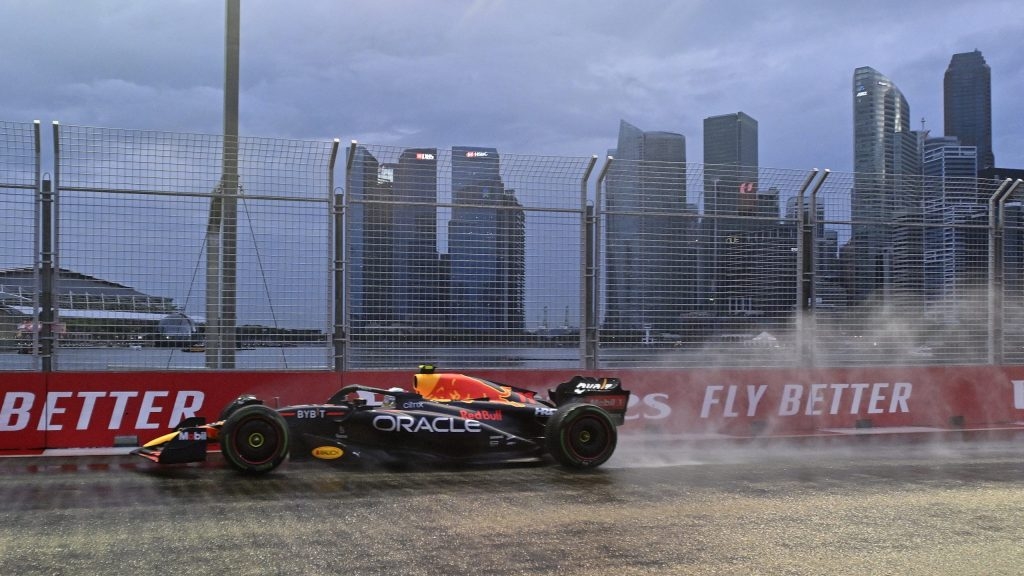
<point>135,211</point>
<point>1009,284</point>
<point>462,256</point>
<point>470,258</point>
<point>19,296</point>
<point>699,265</point>
<point>900,272</point>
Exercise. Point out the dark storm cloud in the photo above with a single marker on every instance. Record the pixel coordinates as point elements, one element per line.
<point>526,77</point>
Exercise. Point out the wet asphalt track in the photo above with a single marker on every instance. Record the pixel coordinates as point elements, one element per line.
<point>850,508</point>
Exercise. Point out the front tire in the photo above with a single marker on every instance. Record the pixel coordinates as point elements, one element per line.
<point>241,401</point>
<point>254,439</point>
<point>580,435</point>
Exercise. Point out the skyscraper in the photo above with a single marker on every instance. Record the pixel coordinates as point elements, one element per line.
<point>886,162</point>
<point>967,104</point>
<point>730,163</point>
<point>486,245</point>
<point>413,238</point>
<point>364,307</point>
<point>950,172</point>
<point>647,283</point>
<point>730,193</point>
<point>883,144</point>
<point>956,236</point>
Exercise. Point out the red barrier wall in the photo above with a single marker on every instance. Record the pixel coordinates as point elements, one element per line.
<point>19,391</point>
<point>92,409</point>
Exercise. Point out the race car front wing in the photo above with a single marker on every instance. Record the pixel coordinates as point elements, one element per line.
<point>187,443</point>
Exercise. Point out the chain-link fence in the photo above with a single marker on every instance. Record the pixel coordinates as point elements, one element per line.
<point>20,158</point>
<point>777,268</point>
<point>155,252</point>
<point>901,270</point>
<point>463,256</point>
<point>700,264</point>
<point>468,257</point>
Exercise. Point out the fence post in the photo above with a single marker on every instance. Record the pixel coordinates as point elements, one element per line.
<point>341,287</point>
<point>595,293</point>
<point>812,268</point>
<point>804,268</point>
<point>339,336</point>
<point>46,300</point>
<point>995,269</point>
<point>47,269</point>
<point>334,244</point>
<point>588,316</point>
<point>37,236</point>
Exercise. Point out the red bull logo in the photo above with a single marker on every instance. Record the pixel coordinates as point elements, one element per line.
<point>481,415</point>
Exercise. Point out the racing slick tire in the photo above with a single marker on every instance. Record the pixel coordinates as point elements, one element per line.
<point>254,439</point>
<point>580,435</point>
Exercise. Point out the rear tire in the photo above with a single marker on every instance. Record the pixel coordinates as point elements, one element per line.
<point>580,435</point>
<point>254,439</point>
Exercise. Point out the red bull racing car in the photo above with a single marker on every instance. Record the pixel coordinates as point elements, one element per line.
<point>446,417</point>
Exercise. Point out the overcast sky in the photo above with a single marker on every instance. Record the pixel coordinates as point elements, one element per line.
<point>529,77</point>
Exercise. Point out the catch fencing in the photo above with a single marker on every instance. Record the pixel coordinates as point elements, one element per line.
<point>20,161</point>
<point>137,252</point>
<point>153,256</point>
<point>464,256</point>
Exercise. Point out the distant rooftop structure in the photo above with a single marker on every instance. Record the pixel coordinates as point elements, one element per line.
<point>84,297</point>
<point>76,291</point>
<point>91,309</point>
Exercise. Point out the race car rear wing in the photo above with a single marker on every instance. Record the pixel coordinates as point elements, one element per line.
<point>606,393</point>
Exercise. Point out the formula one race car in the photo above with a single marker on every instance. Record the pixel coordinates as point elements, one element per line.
<point>446,418</point>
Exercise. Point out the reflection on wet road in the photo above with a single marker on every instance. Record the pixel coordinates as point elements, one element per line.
<point>854,508</point>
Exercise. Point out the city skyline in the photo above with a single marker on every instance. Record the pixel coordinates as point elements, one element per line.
<point>646,214</point>
<point>497,74</point>
<point>518,81</point>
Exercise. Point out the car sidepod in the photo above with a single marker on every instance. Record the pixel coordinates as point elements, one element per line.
<point>449,431</point>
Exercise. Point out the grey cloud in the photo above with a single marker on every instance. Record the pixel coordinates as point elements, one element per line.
<point>525,76</point>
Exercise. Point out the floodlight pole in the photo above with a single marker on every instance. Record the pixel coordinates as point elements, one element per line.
<point>222,228</point>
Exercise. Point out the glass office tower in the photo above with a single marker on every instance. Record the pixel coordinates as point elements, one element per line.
<point>730,163</point>
<point>886,162</point>
<point>367,242</point>
<point>413,258</point>
<point>647,282</point>
<point>967,104</point>
<point>486,246</point>
<point>956,238</point>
